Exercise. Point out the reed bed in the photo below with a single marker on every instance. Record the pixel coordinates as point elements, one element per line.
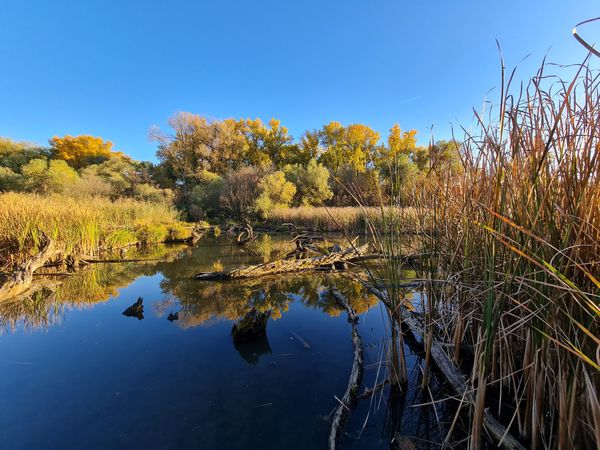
<point>513,284</point>
<point>517,245</point>
<point>79,226</point>
<point>337,219</point>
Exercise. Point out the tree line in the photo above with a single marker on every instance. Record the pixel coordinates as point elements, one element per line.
<point>234,168</point>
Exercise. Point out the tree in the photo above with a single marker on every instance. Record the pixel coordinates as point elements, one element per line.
<point>312,182</point>
<point>45,177</point>
<point>80,151</point>
<point>9,180</point>
<point>267,146</point>
<point>15,155</point>
<point>240,191</point>
<point>444,156</point>
<point>274,192</point>
<point>353,145</point>
<point>308,148</point>
<point>205,196</point>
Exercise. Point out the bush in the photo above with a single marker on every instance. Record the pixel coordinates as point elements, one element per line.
<point>9,180</point>
<point>149,193</point>
<point>205,197</point>
<point>312,183</point>
<point>45,177</point>
<point>275,192</point>
<point>240,191</point>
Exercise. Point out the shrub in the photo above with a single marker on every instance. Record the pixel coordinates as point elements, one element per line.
<point>9,180</point>
<point>45,177</point>
<point>240,191</point>
<point>149,193</point>
<point>275,192</point>
<point>312,183</point>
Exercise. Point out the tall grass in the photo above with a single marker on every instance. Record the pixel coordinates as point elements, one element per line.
<point>517,244</point>
<point>513,278</point>
<point>78,226</point>
<point>336,219</point>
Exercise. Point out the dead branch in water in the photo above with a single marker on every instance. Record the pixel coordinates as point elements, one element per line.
<point>331,261</point>
<point>20,280</point>
<point>354,381</point>
<point>246,235</point>
<point>498,432</point>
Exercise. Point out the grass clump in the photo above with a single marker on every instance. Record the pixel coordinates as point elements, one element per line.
<point>178,231</point>
<point>152,233</point>
<point>120,238</point>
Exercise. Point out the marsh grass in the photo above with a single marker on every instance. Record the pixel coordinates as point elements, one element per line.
<point>514,245</point>
<point>337,219</point>
<point>517,244</point>
<point>79,226</point>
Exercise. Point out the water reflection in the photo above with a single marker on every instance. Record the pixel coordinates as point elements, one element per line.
<point>295,361</point>
<point>51,297</point>
<point>187,302</point>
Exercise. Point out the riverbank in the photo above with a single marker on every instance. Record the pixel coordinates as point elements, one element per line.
<point>78,227</point>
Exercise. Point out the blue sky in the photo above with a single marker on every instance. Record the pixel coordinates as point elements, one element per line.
<point>115,68</point>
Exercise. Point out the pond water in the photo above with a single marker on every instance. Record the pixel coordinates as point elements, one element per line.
<point>75,373</point>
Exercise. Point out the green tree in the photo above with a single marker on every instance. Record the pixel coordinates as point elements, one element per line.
<point>15,155</point>
<point>205,196</point>
<point>45,177</point>
<point>9,180</point>
<point>274,192</point>
<point>312,182</point>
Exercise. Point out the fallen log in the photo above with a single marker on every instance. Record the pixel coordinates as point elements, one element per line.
<point>19,281</point>
<point>355,379</point>
<point>322,262</point>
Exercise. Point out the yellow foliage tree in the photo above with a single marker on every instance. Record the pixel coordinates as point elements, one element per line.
<point>80,151</point>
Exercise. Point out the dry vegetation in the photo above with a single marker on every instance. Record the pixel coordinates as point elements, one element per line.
<point>81,227</point>
<point>349,218</point>
<point>514,275</point>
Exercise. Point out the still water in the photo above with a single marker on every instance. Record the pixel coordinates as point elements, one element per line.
<point>75,373</point>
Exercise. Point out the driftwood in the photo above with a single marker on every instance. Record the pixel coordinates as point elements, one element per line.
<point>136,310</point>
<point>456,379</point>
<point>354,381</point>
<point>334,260</point>
<point>246,235</point>
<point>20,280</point>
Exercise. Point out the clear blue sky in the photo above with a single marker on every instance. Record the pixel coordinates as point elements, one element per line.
<point>115,68</point>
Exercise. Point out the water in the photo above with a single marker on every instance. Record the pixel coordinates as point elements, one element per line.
<point>75,373</point>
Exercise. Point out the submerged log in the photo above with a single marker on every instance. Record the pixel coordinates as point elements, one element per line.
<point>498,432</point>
<point>355,379</point>
<point>324,262</point>
<point>20,280</point>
